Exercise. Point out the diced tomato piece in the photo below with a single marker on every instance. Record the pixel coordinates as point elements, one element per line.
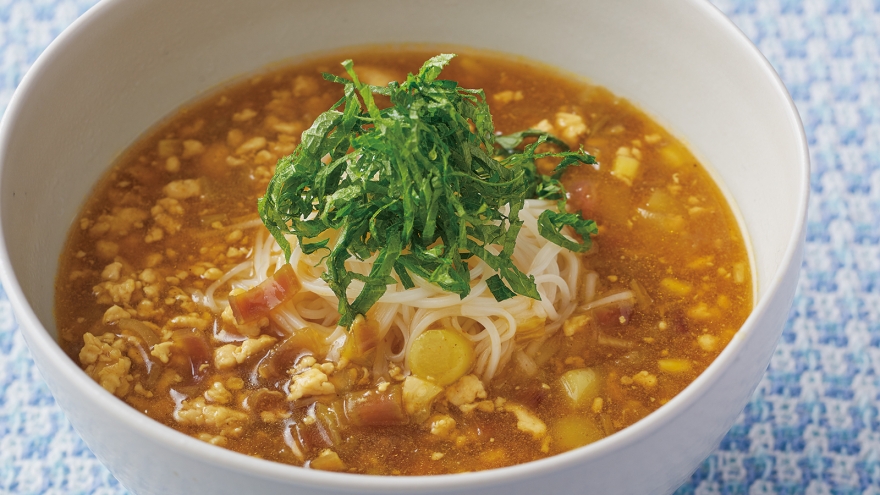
<point>678,322</point>
<point>258,301</point>
<point>582,195</point>
<point>614,314</point>
<point>375,408</point>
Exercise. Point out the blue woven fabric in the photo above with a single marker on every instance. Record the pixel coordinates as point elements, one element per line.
<point>813,425</point>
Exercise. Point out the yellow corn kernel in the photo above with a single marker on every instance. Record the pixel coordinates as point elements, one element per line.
<point>702,311</point>
<point>676,286</point>
<point>701,262</point>
<point>673,155</point>
<point>674,365</point>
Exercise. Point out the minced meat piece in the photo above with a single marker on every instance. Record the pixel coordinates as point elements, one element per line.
<point>527,421</point>
<point>230,355</point>
<point>309,378</point>
<point>465,391</point>
<point>105,361</point>
<point>197,412</point>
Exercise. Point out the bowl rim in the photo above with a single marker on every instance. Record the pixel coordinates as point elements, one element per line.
<point>40,341</point>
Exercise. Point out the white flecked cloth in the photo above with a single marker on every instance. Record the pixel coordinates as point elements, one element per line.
<point>813,425</point>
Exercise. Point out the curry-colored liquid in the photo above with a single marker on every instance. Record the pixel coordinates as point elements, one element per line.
<point>665,232</point>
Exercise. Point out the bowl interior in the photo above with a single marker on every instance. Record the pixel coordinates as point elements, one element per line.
<point>60,145</point>
<point>127,64</point>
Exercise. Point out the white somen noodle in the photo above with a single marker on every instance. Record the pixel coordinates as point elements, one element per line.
<point>401,315</point>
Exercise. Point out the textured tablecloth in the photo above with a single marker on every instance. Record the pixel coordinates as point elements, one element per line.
<point>812,427</point>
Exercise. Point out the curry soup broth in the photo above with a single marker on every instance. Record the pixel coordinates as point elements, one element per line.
<point>178,211</point>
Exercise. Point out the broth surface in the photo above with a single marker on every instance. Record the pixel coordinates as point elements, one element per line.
<point>178,211</point>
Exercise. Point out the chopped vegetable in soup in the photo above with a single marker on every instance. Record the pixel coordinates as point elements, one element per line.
<point>439,289</point>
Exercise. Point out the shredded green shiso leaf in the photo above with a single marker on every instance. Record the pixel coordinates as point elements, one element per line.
<point>421,185</point>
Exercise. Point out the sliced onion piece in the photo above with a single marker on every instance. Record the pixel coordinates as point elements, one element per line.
<point>613,298</point>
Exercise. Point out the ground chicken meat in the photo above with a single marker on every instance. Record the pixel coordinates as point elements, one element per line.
<point>167,213</point>
<point>527,421</point>
<point>105,361</point>
<point>418,395</point>
<point>230,355</point>
<point>197,412</point>
<point>465,391</point>
<point>309,378</point>
<point>162,351</point>
<point>110,292</point>
<point>442,425</point>
<point>118,223</point>
<point>183,189</point>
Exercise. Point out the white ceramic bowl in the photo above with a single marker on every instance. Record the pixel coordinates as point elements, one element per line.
<point>127,63</point>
